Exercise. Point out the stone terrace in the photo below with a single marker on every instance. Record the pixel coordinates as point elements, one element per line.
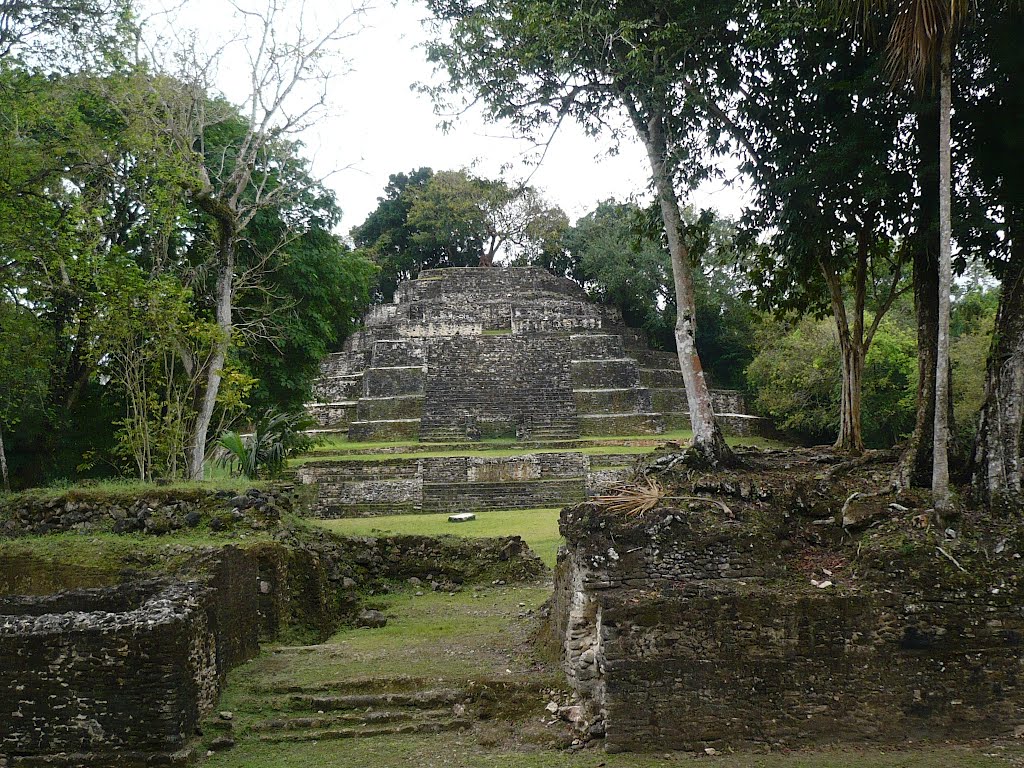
<point>471,353</point>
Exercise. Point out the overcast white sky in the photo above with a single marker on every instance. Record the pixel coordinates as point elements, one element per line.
<point>376,125</point>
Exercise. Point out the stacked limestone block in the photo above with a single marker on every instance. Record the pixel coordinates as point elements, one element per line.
<point>469,353</point>
<point>693,628</point>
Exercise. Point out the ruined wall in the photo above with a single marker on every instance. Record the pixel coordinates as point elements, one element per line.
<point>681,633</point>
<point>153,512</point>
<point>353,488</point>
<point>122,674</point>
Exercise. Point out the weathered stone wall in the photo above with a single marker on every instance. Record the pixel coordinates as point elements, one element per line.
<point>153,512</point>
<point>121,675</point>
<point>353,488</point>
<point>491,386</point>
<point>683,632</point>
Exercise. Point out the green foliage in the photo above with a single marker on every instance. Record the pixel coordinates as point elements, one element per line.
<point>24,364</point>
<point>274,438</point>
<point>617,253</point>
<point>455,219</point>
<point>314,290</point>
<point>971,327</point>
<point>621,264</point>
<point>796,375</point>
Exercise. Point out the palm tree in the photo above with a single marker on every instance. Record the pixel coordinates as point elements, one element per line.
<point>920,49</point>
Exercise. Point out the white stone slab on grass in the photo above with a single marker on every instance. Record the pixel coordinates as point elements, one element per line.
<point>462,517</point>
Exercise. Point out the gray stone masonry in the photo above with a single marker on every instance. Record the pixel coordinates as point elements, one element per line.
<point>354,488</point>
<point>469,353</point>
<point>680,632</point>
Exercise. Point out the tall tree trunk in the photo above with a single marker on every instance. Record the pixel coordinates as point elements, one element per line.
<point>853,344</point>
<point>851,437</point>
<point>707,436</point>
<point>997,464</point>
<point>216,361</point>
<point>940,460</point>
<point>915,465</point>
<point>3,463</point>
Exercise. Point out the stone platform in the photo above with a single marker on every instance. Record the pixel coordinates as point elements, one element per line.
<point>459,483</point>
<point>748,616</point>
<point>470,353</point>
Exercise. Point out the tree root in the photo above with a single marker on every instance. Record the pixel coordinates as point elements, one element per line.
<point>868,457</point>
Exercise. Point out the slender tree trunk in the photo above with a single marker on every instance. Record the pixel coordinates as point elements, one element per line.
<point>215,365</point>
<point>915,465</point>
<point>707,436</point>
<point>851,437</point>
<point>997,463</point>
<point>940,462</point>
<point>3,463</point>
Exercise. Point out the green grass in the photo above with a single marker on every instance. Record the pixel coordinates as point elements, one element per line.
<point>124,488</point>
<point>607,445</point>
<point>594,450</point>
<point>468,635</point>
<point>391,449</point>
<point>466,751</point>
<point>538,527</point>
<point>59,561</point>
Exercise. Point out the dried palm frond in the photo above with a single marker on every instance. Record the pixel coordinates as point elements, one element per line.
<point>633,500</point>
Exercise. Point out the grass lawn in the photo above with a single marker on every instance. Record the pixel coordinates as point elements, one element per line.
<point>538,527</point>
<point>597,446</point>
<point>128,488</point>
<point>41,565</point>
<point>593,450</point>
<point>465,751</point>
<point>438,636</point>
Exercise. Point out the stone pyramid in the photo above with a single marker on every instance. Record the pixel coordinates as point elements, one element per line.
<point>467,353</point>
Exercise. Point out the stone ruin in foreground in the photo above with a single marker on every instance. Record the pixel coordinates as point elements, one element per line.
<point>467,353</point>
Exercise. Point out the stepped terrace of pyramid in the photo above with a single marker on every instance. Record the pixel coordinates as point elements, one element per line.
<point>468,353</point>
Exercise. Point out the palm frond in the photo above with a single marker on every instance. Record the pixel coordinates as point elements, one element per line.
<point>919,28</point>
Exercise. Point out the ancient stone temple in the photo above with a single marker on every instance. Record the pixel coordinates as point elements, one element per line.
<point>469,353</point>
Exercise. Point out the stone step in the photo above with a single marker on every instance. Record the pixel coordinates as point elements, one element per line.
<point>428,699</point>
<point>656,378</point>
<point>389,408</point>
<point>398,352</point>
<point>673,400</point>
<point>336,388</point>
<point>596,346</point>
<point>395,684</point>
<point>622,424</point>
<point>653,358</point>
<point>344,363</point>
<point>337,415</point>
<point>613,374</point>
<point>392,381</point>
<point>613,400</point>
<point>365,718</point>
<point>334,734</point>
